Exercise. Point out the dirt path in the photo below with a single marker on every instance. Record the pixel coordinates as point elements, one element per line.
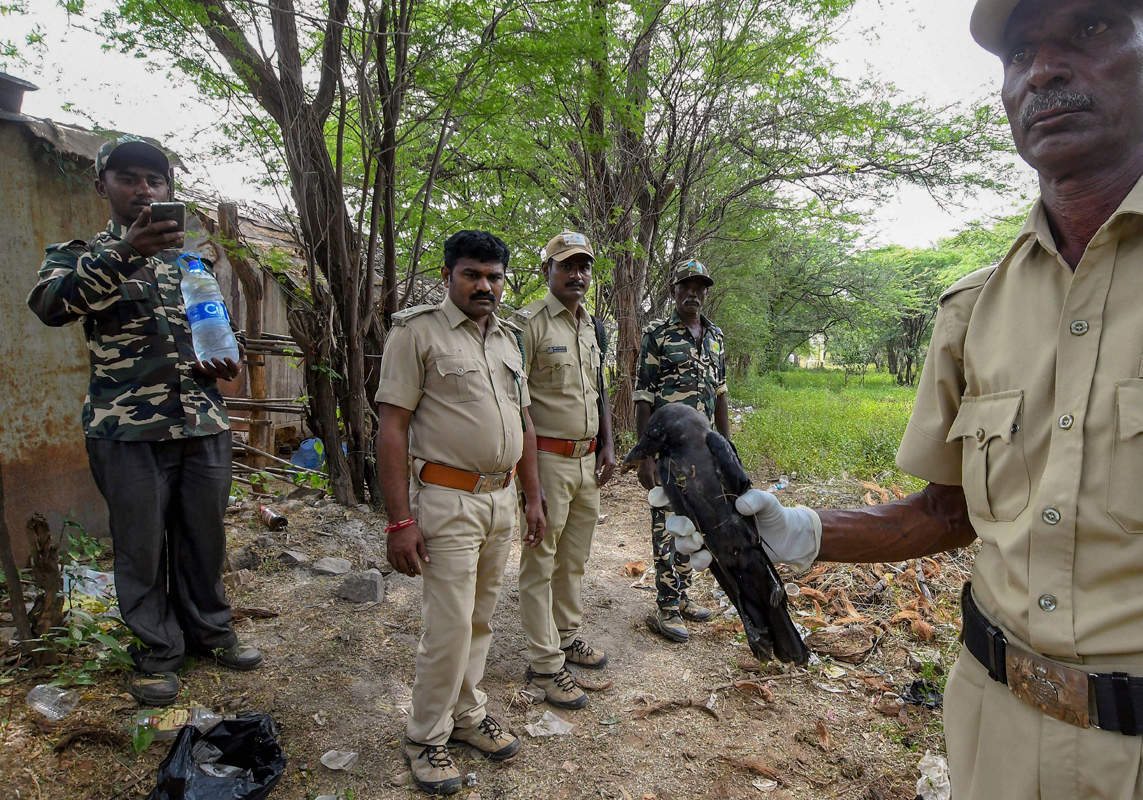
<point>338,676</point>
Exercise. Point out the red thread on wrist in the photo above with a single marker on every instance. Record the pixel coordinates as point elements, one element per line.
<point>396,526</point>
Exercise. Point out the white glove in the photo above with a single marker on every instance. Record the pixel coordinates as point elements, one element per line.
<point>791,535</point>
<point>657,498</point>
<point>687,538</point>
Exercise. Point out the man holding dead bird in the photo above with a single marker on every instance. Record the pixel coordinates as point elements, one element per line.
<point>1029,424</point>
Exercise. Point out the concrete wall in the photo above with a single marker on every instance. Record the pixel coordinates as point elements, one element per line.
<point>45,197</point>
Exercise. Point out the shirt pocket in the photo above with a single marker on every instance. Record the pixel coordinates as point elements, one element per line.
<point>456,379</point>
<point>132,315</point>
<point>1125,486</point>
<point>994,471</point>
<point>554,370</point>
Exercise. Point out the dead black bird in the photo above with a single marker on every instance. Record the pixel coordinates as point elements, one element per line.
<point>702,476</point>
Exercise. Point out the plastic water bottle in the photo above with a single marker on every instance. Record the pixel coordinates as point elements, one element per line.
<point>54,702</point>
<point>206,312</point>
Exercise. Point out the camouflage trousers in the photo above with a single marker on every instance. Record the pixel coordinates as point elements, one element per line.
<point>672,570</point>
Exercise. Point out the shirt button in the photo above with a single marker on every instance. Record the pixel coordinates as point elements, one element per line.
<point>1066,421</point>
<point>1080,327</point>
<point>980,434</point>
<point>1050,516</point>
<point>1048,602</point>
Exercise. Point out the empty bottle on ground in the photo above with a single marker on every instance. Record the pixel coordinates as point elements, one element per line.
<point>206,312</point>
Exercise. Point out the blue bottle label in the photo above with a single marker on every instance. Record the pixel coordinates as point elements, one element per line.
<point>207,310</point>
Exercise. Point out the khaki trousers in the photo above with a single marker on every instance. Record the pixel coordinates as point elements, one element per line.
<point>551,574</point>
<point>467,537</point>
<point>998,747</point>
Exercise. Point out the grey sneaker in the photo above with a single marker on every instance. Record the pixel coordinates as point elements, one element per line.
<point>489,738</point>
<point>432,767</point>
<point>583,654</point>
<point>668,623</point>
<point>560,688</point>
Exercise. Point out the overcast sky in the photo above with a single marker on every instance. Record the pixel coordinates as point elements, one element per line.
<point>921,46</point>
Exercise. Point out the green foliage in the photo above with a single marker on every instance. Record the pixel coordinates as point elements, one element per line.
<point>812,423</point>
<point>141,738</point>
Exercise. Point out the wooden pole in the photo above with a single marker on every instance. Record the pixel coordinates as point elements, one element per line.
<point>12,577</point>
<point>261,431</point>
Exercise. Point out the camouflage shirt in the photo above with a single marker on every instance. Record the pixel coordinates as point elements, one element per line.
<point>674,368</point>
<point>143,386</point>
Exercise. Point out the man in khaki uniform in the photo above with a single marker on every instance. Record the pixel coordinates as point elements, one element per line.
<point>453,404</point>
<point>1029,424</point>
<point>576,457</point>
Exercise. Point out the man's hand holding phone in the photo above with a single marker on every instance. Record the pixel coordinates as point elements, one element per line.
<point>148,235</point>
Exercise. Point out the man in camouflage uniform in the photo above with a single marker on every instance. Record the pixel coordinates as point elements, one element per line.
<point>158,438</point>
<point>453,427</point>
<point>682,360</point>
<point>576,457</point>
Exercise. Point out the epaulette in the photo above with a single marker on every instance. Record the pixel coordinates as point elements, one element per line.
<point>972,280</point>
<point>510,325</point>
<point>74,244</point>
<point>529,311</point>
<point>406,314</point>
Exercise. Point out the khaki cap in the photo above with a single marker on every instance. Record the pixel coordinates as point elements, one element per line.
<point>692,269</point>
<point>564,245</point>
<point>989,20</point>
<point>135,151</point>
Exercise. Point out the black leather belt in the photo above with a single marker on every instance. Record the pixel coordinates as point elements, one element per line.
<point>1056,689</point>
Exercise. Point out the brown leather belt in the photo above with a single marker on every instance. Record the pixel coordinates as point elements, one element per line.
<point>1055,689</point>
<point>475,482</point>
<point>572,448</point>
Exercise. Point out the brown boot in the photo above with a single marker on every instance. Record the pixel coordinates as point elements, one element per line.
<point>668,623</point>
<point>694,612</point>
<point>583,654</point>
<point>560,688</point>
<point>432,767</point>
<point>489,738</point>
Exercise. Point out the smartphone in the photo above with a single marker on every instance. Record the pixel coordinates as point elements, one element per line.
<point>166,211</point>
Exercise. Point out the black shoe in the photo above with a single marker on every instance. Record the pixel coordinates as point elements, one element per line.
<point>694,612</point>
<point>242,657</point>
<point>153,688</point>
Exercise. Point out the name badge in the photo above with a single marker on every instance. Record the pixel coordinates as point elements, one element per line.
<point>559,348</point>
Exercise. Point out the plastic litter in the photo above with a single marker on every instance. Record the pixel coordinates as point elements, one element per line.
<point>549,725</point>
<point>272,518</point>
<point>934,781</point>
<point>167,722</point>
<point>923,693</point>
<point>242,762</point>
<point>54,702</point>
<point>339,759</point>
<point>470,779</point>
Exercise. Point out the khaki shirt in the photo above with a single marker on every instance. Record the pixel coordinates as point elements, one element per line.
<point>1032,399</point>
<point>563,369</point>
<point>465,390</point>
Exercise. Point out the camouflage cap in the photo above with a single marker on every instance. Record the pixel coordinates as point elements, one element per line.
<point>989,20</point>
<point>564,245</point>
<point>692,269</point>
<point>133,150</point>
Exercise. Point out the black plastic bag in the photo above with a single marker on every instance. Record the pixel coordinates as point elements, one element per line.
<point>239,759</point>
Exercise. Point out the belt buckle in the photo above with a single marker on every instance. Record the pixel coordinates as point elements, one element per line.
<point>481,484</point>
<point>581,448</point>
<point>1054,689</point>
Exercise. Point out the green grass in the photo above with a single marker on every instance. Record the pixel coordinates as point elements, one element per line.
<point>810,422</point>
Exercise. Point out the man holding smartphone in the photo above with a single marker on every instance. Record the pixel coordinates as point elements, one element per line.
<point>158,438</point>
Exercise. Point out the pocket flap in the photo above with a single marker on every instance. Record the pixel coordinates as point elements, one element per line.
<point>456,366</point>
<point>984,418</point>
<point>1129,402</point>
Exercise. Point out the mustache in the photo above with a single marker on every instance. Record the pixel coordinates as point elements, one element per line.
<point>575,285</point>
<point>1054,100</point>
<point>482,296</point>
